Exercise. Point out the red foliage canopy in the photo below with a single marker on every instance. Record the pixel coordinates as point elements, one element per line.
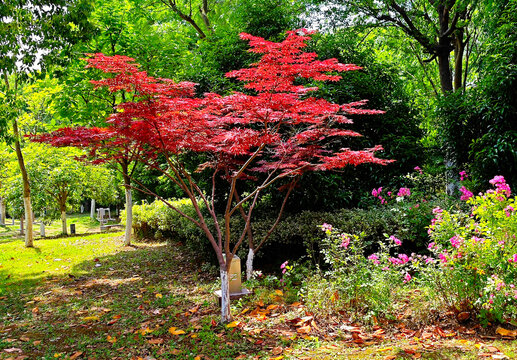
<point>278,123</point>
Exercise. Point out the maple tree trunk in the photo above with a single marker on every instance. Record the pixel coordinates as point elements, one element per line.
<point>249,264</point>
<point>2,211</point>
<point>92,209</point>
<point>226,316</point>
<point>129,217</point>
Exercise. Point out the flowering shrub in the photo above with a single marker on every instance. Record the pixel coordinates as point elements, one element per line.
<point>476,253</point>
<point>361,284</point>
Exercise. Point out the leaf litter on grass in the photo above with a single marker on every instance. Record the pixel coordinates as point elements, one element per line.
<point>117,311</point>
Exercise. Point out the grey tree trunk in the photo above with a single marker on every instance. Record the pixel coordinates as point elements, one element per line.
<point>249,264</point>
<point>22,230</point>
<point>92,210</point>
<point>225,297</point>
<point>63,222</point>
<point>2,211</point>
<point>129,217</point>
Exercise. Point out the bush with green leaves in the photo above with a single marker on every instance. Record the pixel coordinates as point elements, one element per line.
<point>361,285</point>
<point>476,254</point>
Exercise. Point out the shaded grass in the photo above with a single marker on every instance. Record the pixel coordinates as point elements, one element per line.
<point>111,302</point>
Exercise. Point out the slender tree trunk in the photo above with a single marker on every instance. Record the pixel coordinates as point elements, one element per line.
<point>249,264</point>
<point>29,236</point>
<point>459,49</point>
<point>92,209</point>
<point>129,217</point>
<point>2,211</point>
<point>129,204</point>
<point>63,221</point>
<point>22,231</point>
<point>225,297</point>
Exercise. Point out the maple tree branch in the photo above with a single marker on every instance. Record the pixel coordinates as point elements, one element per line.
<point>188,18</point>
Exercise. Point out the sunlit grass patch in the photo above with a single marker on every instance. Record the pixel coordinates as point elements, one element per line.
<point>21,267</point>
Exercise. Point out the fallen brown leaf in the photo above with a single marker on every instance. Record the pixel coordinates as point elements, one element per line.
<point>277,350</point>
<point>76,355</point>
<point>503,332</point>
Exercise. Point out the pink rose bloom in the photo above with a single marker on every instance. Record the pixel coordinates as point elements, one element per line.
<point>443,257</point>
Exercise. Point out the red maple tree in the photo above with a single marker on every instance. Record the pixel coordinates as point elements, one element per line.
<point>274,131</point>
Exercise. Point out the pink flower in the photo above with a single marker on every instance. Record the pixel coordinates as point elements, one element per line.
<point>283,267</point>
<point>395,240</point>
<point>463,175</point>
<point>326,227</point>
<point>500,183</point>
<point>443,257</point>
<point>509,210</point>
<point>345,241</point>
<point>376,192</point>
<point>513,259</point>
<point>466,194</point>
<point>429,260</point>
<point>456,241</point>
<point>407,278</point>
<point>431,246</point>
<point>374,258</point>
<point>389,193</point>
<point>437,210</point>
<point>417,168</point>
<point>404,192</point>
<point>403,258</point>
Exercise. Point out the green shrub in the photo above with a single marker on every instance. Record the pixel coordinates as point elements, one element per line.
<point>296,235</point>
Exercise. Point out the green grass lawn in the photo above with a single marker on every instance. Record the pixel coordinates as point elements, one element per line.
<point>83,225</point>
<point>88,297</point>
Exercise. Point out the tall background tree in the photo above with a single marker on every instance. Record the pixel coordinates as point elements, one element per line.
<point>31,34</point>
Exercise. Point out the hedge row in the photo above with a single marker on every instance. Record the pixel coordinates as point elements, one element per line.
<point>296,235</point>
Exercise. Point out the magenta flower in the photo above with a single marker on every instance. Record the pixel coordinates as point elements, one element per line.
<point>283,267</point>
<point>417,168</point>
<point>395,240</point>
<point>465,194</point>
<point>376,192</point>
<point>501,186</point>
<point>463,175</point>
<point>513,259</point>
<point>431,246</point>
<point>404,192</point>
<point>407,278</point>
<point>374,258</point>
<point>456,241</point>
<point>443,257</point>
<point>509,210</point>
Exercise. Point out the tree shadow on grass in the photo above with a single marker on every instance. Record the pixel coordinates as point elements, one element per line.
<point>145,287</point>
